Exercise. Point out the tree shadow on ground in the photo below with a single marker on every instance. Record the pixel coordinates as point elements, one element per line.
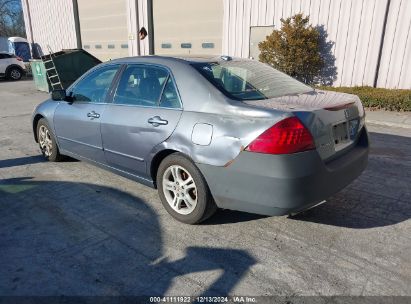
<point>66,238</point>
<point>28,160</point>
<point>21,161</point>
<point>380,197</point>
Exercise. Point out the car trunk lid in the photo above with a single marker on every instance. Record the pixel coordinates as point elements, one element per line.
<point>334,119</point>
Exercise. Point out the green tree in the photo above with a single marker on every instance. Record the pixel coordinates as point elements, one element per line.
<point>294,49</point>
<point>11,19</point>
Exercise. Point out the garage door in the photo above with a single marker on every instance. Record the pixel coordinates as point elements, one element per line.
<point>103,26</point>
<point>188,26</point>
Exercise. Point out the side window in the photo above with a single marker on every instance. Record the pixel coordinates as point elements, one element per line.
<point>141,85</point>
<point>170,98</point>
<point>2,56</point>
<point>94,87</point>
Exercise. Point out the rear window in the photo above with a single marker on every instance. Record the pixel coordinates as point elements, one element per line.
<point>249,80</point>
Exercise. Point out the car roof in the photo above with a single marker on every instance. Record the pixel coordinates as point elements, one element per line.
<point>176,58</point>
<point>198,58</point>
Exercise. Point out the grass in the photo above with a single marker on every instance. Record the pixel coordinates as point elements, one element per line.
<point>377,98</point>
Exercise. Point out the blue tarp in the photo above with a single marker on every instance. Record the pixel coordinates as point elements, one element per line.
<point>21,49</point>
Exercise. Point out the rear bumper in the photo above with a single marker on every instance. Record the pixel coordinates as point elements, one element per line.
<point>283,184</point>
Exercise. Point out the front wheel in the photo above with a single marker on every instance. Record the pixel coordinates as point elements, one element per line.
<point>47,142</point>
<point>183,190</point>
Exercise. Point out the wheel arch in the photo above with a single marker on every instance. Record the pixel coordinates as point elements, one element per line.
<point>13,66</point>
<point>36,120</point>
<point>156,161</point>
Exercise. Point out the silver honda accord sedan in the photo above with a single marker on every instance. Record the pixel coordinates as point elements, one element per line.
<point>208,133</point>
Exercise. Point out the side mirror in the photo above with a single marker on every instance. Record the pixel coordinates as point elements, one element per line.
<point>58,95</point>
<point>61,95</point>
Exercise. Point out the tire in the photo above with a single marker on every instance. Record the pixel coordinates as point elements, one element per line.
<point>47,142</point>
<point>194,198</point>
<point>14,73</point>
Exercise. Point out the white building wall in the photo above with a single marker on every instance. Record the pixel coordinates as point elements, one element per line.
<point>354,26</point>
<point>136,19</point>
<point>143,19</point>
<point>52,23</point>
<point>395,68</point>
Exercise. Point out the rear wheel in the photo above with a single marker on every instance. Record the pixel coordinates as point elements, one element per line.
<point>14,73</point>
<point>183,190</point>
<point>47,142</point>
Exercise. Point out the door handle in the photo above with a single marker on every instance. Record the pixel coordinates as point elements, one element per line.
<point>93,115</point>
<point>157,120</point>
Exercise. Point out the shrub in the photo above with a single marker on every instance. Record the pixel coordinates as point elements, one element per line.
<point>378,98</point>
<point>294,49</point>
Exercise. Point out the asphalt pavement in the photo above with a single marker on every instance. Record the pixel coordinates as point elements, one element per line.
<point>70,228</point>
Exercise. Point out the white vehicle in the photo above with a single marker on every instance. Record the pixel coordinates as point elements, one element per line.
<point>11,66</point>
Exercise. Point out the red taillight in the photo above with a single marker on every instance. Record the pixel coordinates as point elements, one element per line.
<point>287,136</point>
<point>19,58</point>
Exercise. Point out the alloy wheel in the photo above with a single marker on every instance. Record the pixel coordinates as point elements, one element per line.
<point>45,141</point>
<point>15,74</point>
<point>180,189</point>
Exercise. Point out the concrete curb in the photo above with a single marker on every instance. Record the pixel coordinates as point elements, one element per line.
<point>389,119</point>
<point>388,124</point>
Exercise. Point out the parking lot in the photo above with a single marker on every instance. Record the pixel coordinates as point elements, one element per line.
<point>73,229</point>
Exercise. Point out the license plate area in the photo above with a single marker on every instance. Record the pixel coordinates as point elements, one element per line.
<point>341,133</point>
